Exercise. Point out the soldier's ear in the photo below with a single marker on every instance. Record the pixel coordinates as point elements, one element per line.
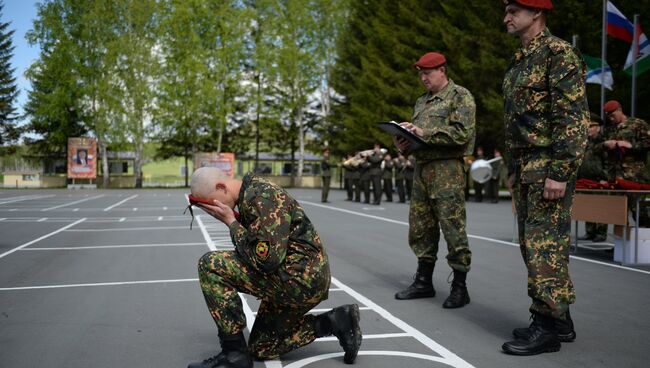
<point>221,186</point>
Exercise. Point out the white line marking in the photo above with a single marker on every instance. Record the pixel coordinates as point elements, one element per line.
<point>2,219</point>
<point>165,208</point>
<point>13,210</point>
<point>25,198</point>
<point>43,219</point>
<point>97,284</point>
<point>323,310</point>
<point>160,218</point>
<point>206,236</point>
<point>453,359</point>
<point>43,237</point>
<point>306,361</point>
<point>122,219</point>
<point>117,246</point>
<point>135,209</point>
<point>476,237</point>
<point>119,203</point>
<point>75,210</point>
<point>129,229</point>
<point>71,203</point>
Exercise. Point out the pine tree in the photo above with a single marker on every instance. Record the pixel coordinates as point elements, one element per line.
<point>9,132</point>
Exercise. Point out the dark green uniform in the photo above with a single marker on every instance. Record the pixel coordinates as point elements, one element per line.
<point>495,181</point>
<point>546,120</point>
<point>364,180</point>
<point>326,176</point>
<point>387,177</point>
<point>409,171</point>
<point>447,119</point>
<point>478,187</point>
<point>375,173</point>
<point>279,259</point>
<point>400,164</point>
<point>348,172</point>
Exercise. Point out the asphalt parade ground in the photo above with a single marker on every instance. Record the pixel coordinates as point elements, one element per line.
<point>107,278</point>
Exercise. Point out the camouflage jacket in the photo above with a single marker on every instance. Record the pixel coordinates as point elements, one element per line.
<point>274,233</point>
<point>448,119</point>
<point>545,111</point>
<point>629,163</point>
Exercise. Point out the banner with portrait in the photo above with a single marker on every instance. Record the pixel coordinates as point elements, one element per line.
<point>82,158</point>
<point>224,161</point>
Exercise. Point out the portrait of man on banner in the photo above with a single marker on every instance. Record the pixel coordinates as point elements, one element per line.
<point>82,153</point>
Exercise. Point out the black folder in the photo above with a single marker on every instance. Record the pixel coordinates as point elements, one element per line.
<point>395,129</point>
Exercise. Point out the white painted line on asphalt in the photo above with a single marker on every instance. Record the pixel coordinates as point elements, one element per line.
<point>475,237</point>
<point>13,210</point>
<point>206,236</point>
<point>160,218</point>
<point>135,209</point>
<point>165,208</point>
<point>323,310</point>
<point>128,229</point>
<point>24,198</point>
<point>122,219</point>
<point>306,361</point>
<point>43,219</point>
<point>43,237</point>
<point>116,246</point>
<point>71,203</point>
<point>75,210</point>
<point>2,219</point>
<point>366,336</point>
<point>119,203</point>
<point>97,284</point>
<point>449,357</point>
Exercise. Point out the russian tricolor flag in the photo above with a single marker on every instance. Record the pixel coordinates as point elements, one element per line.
<point>617,25</point>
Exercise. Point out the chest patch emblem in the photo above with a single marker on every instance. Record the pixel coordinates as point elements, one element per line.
<point>262,250</point>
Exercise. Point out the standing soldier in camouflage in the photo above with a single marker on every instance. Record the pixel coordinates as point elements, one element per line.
<point>495,180</point>
<point>593,168</point>
<point>546,119</point>
<point>278,258</point>
<point>375,159</point>
<point>326,175</point>
<point>387,177</point>
<point>627,144</point>
<point>400,163</point>
<point>409,169</point>
<point>365,178</point>
<point>348,171</point>
<point>444,117</point>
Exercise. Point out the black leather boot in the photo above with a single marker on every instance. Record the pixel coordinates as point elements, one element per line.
<point>565,331</point>
<point>458,296</point>
<point>342,322</point>
<point>542,338</point>
<point>234,354</point>
<point>422,286</point>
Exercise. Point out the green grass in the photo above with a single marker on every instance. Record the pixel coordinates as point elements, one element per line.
<point>166,169</point>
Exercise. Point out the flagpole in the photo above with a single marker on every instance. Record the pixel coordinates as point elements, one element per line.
<point>635,55</point>
<point>603,56</point>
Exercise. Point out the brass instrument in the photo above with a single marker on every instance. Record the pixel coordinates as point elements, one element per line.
<point>360,157</point>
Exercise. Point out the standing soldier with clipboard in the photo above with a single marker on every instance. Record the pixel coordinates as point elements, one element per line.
<point>444,118</point>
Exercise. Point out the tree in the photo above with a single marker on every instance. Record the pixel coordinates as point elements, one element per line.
<point>9,133</point>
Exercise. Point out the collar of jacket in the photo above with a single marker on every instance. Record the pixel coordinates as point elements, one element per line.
<point>444,93</point>
<point>534,44</point>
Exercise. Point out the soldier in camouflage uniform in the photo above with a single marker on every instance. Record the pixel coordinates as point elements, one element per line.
<point>278,258</point>
<point>326,175</point>
<point>387,177</point>
<point>546,119</point>
<point>627,143</point>
<point>400,163</point>
<point>593,168</point>
<point>445,118</point>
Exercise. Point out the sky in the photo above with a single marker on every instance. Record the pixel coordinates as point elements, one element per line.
<point>20,14</point>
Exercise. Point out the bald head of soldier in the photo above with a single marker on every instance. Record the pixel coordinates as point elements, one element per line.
<point>213,184</point>
<point>526,18</point>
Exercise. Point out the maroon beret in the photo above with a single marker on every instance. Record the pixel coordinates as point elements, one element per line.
<point>537,4</point>
<point>430,60</point>
<point>611,106</point>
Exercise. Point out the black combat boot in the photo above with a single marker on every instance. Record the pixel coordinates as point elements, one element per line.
<point>234,354</point>
<point>565,331</point>
<point>342,322</point>
<point>542,338</point>
<point>422,286</point>
<point>458,296</point>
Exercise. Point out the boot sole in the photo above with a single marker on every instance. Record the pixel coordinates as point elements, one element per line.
<point>552,349</point>
<point>351,354</point>
<point>457,306</point>
<point>416,296</point>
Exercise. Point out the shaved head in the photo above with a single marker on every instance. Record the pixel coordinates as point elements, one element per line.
<point>204,181</point>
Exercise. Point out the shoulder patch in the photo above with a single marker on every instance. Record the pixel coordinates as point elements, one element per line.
<point>559,46</point>
<point>262,250</point>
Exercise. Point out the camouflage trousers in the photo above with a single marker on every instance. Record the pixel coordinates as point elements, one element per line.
<point>438,202</point>
<point>281,324</point>
<point>544,240</point>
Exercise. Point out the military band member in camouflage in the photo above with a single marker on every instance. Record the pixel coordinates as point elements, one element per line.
<point>326,175</point>
<point>546,119</point>
<point>278,258</point>
<point>444,117</point>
